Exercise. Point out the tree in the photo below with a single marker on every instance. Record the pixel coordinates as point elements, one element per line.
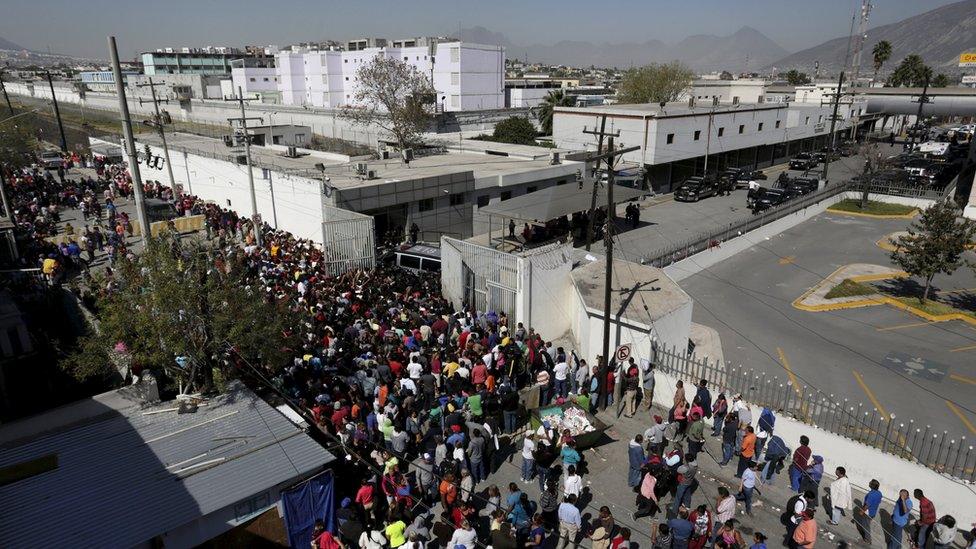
<point>555,98</point>
<point>881,53</point>
<point>912,72</point>
<point>934,244</point>
<point>940,81</point>
<point>796,78</point>
<point>655,83</point>
<point>515,129</point>
<point>172,302</point>
<point>726,75</point>
<point>393,96</point>
<point>874,161</point>
<point>17,141</point>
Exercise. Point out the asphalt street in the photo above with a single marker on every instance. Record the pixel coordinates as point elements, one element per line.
<point>868,355</point>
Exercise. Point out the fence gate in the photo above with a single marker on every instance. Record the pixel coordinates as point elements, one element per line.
<point>347,241</point>
<point>500,298</point>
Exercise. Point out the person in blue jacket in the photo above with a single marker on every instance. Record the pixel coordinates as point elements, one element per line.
<point>635,457</point>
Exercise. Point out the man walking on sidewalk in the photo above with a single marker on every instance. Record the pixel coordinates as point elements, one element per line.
<point>864,514</point>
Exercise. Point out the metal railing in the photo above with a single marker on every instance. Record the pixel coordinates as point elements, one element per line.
<point>908,439</point>
<point>926,193</point>
<point>676,251</point>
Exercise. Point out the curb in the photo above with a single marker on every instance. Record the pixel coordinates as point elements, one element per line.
<point>910,215</point>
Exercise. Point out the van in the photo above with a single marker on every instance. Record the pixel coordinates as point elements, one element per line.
<point>419,258</point>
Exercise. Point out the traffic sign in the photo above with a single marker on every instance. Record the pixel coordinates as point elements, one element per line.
<point>622,353</point>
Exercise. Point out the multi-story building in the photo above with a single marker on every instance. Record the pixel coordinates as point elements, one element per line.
<point>211,60</point>
<point>465,76</point>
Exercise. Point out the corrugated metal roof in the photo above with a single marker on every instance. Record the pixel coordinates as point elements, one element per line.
<point>125,476</point>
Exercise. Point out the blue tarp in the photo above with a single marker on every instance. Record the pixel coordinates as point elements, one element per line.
<point>306,503</point>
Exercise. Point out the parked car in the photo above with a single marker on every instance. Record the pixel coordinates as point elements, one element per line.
<point>803,161</point>
<point>51,160</point>
<point>819,157</point>
<point>801,185</point>
<point>745,176</point>
<point>695,188</point>
<point>770,198</point>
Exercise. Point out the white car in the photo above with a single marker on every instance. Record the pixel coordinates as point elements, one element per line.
<point>51,160</point>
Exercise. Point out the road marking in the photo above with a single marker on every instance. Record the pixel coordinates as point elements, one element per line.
<point>788,260</point>
<point>900,326</point>
<point>867,390</point>
<point>789,372</point>
<point>955,410</point>
<point>957,349</point>
<point>963,379</point>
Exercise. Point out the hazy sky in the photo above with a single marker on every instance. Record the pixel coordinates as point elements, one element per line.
<point>80,27</point>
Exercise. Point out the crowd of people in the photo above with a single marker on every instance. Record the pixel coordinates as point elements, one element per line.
<point>425,398</point>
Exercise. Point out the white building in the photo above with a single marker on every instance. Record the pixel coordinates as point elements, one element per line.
<point>254,81</point>
<point>465,76</point>
<point>743,90</point>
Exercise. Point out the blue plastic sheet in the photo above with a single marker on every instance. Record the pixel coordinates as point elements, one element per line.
<point>305,504</point>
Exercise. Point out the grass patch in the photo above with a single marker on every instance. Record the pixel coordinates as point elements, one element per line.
<point>933,307</point>
<point>872,207</point>
<point>849,288</point>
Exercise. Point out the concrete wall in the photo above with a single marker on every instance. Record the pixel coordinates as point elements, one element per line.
<point>547,291</point>
<point>525,97</point>
<point>297,200</point>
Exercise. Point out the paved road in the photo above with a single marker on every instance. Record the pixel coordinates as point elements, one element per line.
<point>748,300</point>
<point>665,222</point>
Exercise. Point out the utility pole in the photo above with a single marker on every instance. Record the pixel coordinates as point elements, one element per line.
<point>255,216</point>
<point>157,123</point>
<point>922,100</point>
<point>610,156</point>
<point>5,96</point>
<point>57,113</point>
<point>833,123</point>
<point>274,209</point>
<point>596,181</point>
<point>708,141</point>
<point>130,143</point>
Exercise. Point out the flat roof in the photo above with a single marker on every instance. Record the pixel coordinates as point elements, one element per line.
<point>670,110</point>
<point>120,473</point>
<point>343,175</point>
<point>556,201</point>
<point>634,286</point>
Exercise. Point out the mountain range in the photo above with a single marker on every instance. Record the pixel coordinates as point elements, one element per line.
<point>746,49</point>
<point>939,36</point>
<point>8,45</point>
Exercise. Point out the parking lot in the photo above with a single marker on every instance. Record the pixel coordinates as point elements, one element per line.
<point>882,357</point>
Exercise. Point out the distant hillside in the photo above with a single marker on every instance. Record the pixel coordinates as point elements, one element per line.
<point>8,45</point>
<point>939,36</point>
<point>747,48</point>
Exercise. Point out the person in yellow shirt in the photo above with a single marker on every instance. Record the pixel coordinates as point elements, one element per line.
<point>451,368</point>
<point>394,533</point>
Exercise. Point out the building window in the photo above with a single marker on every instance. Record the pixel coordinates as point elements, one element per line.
<point>265,78</point>
<point>721,131</point>
<point>506,195</point>
<point>483,200</point>
<point>250,79</point>
<point>345,60</point>
<point>426,204</point>
<point>455,100</point>
<point>670,138</point>
<point>777,124</point>
<point>742,128</point>
<point>455,55</point>
<point>697,135</point>
<point>455,78</point>
<point>457,199</point>
<point>760,126</point>
<point>806,121</point>
<point>347,79</point>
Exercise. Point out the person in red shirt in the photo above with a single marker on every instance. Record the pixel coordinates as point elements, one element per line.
<point>339,416</point>
<point>364,497</point>
<point>926,519</point>
<point>479,373</point>
<point>801,462</point>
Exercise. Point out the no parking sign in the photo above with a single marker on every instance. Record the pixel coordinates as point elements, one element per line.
<point>622,353</point>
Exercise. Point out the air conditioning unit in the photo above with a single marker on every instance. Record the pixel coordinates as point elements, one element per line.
<point>762,99</point>
<point>361,168</point>
<point>407,155</point>
<point>370,174</point>
<point>228,140</point>
<point>385,154</point>
<point>554,157</point>
<point>735,100</point>
<point>715,101</point>
<point>166,118</point>
<point>242,159</point>
<point>691,102</point>
<point>291,152</point>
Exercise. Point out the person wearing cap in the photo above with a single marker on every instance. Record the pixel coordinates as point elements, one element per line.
<point>424,475</point>
<point>696,434</point>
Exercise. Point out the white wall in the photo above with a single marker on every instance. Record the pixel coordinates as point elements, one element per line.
<point>526,97</point>
<point>545,301</point>
<point>255,79</point>
<point>297,200</point>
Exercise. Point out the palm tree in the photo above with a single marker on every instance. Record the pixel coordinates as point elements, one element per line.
<point>555,98</point>
<point>881,53</point>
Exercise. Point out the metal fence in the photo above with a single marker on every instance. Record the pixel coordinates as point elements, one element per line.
<point>347,240</point>
<point>908,439</point>
<point>925,193</point>
<point>676,251</point>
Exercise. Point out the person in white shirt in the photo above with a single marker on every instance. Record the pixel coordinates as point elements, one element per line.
<point>414,369</point>
<point>372,539</point>
<point>573,483</point>
<point>465,535</point>
<point>560,372</point>
<point>528,461</point>
<point>840,496</point>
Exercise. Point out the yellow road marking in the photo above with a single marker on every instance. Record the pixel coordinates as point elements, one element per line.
<point>957,349</point>
<point>788,260</point>
<point>963,379</point>
<point>964,419</point>
<point>793,380</point>
<point>867,390</point>
<point>900,326</point>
